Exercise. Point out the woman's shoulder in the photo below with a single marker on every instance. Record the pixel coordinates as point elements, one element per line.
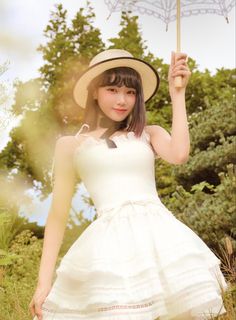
<point>149,129</point>
<point>66,144</point>
<point>154,134</point>
<point>153,129</point>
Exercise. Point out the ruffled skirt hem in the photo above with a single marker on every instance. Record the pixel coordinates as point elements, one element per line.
<point>140,264</point>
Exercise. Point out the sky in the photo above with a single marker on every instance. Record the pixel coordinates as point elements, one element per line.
<point>208,39</point>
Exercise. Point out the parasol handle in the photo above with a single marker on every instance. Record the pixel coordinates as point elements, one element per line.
<point>178,80</point>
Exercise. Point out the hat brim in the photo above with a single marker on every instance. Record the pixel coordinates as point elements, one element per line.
<point>149,76</point>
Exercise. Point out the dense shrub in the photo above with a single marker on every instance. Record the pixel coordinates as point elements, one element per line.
<point>19,278</point>
<point>211,215</point>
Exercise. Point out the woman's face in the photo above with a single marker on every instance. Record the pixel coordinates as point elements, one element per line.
<point>116,102</point>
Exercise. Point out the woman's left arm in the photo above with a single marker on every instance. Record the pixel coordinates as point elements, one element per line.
<point>175,147</point>
<point>180,140</point>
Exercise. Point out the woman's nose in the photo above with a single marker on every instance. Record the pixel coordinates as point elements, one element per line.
<point>121,98</point>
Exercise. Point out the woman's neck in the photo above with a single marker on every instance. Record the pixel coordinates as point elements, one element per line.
<point>103,121</point>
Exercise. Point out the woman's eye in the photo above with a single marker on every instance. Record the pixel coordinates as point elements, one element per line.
<point>132,92</point>
<point>111,89</point>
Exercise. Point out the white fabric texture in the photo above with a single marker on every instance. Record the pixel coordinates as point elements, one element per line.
<point>136,260</point>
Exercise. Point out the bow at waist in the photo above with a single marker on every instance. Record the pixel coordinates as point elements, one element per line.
<point>118,205</point>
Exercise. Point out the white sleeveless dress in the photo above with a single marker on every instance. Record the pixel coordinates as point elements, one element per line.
<point>136,261</point>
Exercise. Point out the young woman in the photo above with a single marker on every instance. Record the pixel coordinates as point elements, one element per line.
<point>135,261</point>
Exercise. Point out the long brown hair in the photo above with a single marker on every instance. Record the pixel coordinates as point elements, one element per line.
<point>121,76</point>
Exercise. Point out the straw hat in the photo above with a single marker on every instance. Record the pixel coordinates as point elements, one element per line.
<point>114,58</point>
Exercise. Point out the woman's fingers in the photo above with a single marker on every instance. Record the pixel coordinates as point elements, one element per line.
<point>181,72</point>
<point>180,62</point>
<point>36,309</point>
<point>180,55</point>
<point>37,301</point>
<point>177,57</point>
<point>32,309</point>
<point>179,67</point>
<point>172,62</point>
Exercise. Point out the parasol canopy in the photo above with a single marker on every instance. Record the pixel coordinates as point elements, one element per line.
<point>171,10</point>
<point>167,10</point>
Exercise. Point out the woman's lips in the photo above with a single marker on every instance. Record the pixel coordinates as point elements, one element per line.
<point>120,110</point>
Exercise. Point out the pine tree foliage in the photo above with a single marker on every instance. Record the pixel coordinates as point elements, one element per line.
<point>129,37</point>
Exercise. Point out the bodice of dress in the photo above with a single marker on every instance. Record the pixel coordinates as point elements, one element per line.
<point>116,175</point>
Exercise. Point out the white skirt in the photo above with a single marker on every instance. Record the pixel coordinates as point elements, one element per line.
<point>137,263</point>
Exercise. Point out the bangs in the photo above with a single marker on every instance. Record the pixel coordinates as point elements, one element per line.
<point>119,77</point>
<point>122,76</point>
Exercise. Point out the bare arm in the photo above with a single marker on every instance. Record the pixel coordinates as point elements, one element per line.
<point>174,147</point>
<point>62,194</point>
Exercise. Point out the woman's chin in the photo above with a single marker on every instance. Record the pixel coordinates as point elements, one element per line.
<point>118,115</point>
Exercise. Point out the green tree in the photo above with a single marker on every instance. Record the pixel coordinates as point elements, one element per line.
<point>213,139</point>
<point>57,49</point>
<point>205,185</point>
<point>129,37</point>
<point>46,103</point>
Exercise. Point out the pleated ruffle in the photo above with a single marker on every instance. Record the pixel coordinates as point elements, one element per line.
<point>141,264</point>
